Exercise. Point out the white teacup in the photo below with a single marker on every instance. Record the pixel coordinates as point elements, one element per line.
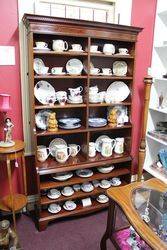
<point>76,47</point>
<point>106,71</point>
<point>102,197</point>
<point>43,70</point>
<point>61,97</point>
<point>115,180</point>
<point>53,191</point>
<point>68,190</point>
<point>69,204</point>
<point>57,70</point>
<point>108,48</point>
<point>94,71</point>
<point>105,183</point>
<point>42,153</point>
<point>75,91</point>
<point>74,149</point>
<point>54,207</point>
<point>123,51</point>
<point>59,45</point>
<point>41,45</point>
<point>93,90</point>
<point>93,48</point>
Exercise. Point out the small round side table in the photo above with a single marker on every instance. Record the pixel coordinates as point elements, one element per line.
<point>13,202</point>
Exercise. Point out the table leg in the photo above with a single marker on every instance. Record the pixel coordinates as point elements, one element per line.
<point>24,174</point>
<point>11,192</point>
<point>110,225</point>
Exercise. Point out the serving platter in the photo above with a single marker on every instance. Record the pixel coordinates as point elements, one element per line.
<point>44,92</point>
<point>118,91</point>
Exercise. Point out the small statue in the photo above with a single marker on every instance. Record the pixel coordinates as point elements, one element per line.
<point>8,237</point>
<point>52,122</point>
<point>112,118</point>
<point>8,129</point>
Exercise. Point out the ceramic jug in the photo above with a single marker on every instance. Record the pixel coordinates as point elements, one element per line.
<point>119,146</point>
<point>42,153</point>
<point>107,147</point>
<point>59,45</point>
<point>62,153</point>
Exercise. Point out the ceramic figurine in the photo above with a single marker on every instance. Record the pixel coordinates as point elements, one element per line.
<point>112,118</point>
<point>52,122</point>
<point>8,130</point>
<point>8,237</point>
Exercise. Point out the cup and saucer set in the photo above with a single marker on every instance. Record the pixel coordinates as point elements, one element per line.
<point>69,205</point>
<point>53,193</point>
<point>102,198</point>
<point>41,45</point>
<point>67,191</point>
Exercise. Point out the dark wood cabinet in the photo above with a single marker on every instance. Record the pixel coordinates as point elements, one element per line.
<point>42,28</point>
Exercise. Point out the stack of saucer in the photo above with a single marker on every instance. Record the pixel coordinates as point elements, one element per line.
<point>75,99</point>
<point>69,123</point>
<point>54,208</point>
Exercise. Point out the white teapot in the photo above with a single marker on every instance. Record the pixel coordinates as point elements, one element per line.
<point>107,147</point>
<point>59,45</point>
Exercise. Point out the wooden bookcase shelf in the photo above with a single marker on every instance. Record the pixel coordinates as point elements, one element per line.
<point>50,28</point>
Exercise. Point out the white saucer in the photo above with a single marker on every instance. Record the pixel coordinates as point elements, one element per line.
<point>103,201</point>
<point>54,212</point>
<point>81,50</point>
<point>116,184</point>
<point>120,54</point>
<point>67,194</point>
<point>73,208</point>
<point>60,74</point>
<point>102,74</point>
<point>74,102</point>
<point>53,197</point>
<point>47,74</point>
<point>36,48</point>
<point>105,187</point>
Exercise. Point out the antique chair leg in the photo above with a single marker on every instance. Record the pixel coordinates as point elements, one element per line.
<point>110,225</point>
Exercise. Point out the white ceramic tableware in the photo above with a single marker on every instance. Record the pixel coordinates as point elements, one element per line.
<point>102,198</point>
<point>69,121</point>
<point>115,181</point>
<point>62,153</point>
<point>67,191</point>
<point>41,45</point>
<point>94,71</point>
<point>86,202</point>
<point>54,208</point>
<point>74,149</point>
<point>106,71</point>
<point>69,205</point>
<point>53,193</point>
<point>61,97</point>
<point>76,47</point>
<point>119,146</point>
<point>97,122</point>
<point>123,51</point>
<point>54,143</point>
<point>57,70</point>
<point>98,142</point>
<point>76,187</point>
<point>93,48</point>
<point>109,48</point>
<point>74,66</point>
<point>59,45</point>
<point>94,98</point>
<point>41,119</point>
<point>87,187</point>
<point>38,65</point>
<point>43,71</point>
<point>108,145</point>
<point>84,173</point>
<point>62,176</point>
<point>93,90</point>
<point>105,184</point>
<point>44,91</point>
<point>42,153</point>
<point>120,68</point>
<point>95,183</point>
<point>105,169</point>
<point>74,92</point>
<point>70,126</point>
<point>92,149</point>
<point>101,96</point>
<point>75,99</point>
<point>117,91</point>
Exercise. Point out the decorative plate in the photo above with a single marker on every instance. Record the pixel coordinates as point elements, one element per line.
<point>118,91</point>
<point>97,122</point>
<point>69,121</point>
<point>44,92</point>
<point>84,173</point>
<point>70,126</point>
<point>54,143</point>
<point>98,142</point>
<point>38,65</point>
<point>120,68</point>
<point>62,176</point>
<point>74,66</point>
<point>41,119</point>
